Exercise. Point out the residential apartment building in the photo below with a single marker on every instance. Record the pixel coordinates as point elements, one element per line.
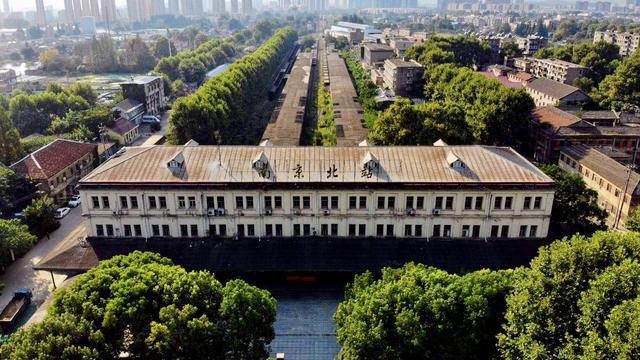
<point>403,76</point>
<point>374,54</point>
<point>124,131</point>
<point>57,167</point>
<point>547,92</point>
<point>553,129</point>
<point>626,41</point>
<point>557,70</point>
<point>149,90</point>
<point>530,44</point>
<point>252,191</point>
<point>617,185</point>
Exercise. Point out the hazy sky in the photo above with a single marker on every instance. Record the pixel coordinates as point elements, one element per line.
<point>21,5</point>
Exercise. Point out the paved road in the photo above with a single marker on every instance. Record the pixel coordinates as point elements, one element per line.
<point>144,129</point>
<point>21,273</point>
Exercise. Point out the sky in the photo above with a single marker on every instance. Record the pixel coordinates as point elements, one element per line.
<point>23,5</point>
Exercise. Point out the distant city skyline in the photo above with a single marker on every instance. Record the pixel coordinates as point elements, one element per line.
<point>25,5</point>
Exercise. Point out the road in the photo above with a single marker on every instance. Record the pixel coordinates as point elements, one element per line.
<point>144,129</point>
<point>21,273</point>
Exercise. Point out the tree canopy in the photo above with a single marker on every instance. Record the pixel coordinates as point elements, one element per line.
<point>144,305</point>
<point>14,236</point>
<point>459,50</point>
<point>417,312</point>
<point>621,89</point>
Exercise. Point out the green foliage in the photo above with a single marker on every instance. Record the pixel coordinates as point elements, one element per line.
<point>143,305</point>
<point>622,88</point>
<point>10,148</point>
<point>510,49</point>
<point>14,236</point>
<point>459,50</point>
<point>163,48</point>
<point>326,131</point>
<point>39,215</point>
<point>85,91</point>
<point>13,189</point>
<point>417,312</point>
<point>577,300</point>
<point>223,103</point>
<point>575,207</point>
<point>365,88</point>
<point>136,56</point>
<point>633,221</point>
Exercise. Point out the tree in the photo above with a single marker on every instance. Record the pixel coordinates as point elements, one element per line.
<point>460,50</point>
<point>10,147</point>
<point>51,60</point>
<point>34,33</point>
<point>144,305</point>
<point>567,292</point>
<point>25,116</point>
<point>417,312</point>
<point>633,221</point>
<point>137,56</point>
<point>39,215</point>
<point>163,48</point>
<point>85,91</point>
<point>575,207</point>
<point>510,49</point>
<point>14,237</point>
<point>623,86</point>
<point>28,53</point>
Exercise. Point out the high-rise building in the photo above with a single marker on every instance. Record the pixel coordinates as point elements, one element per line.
<point>133,10</point>
<point>6,7</point>
<point>70,16</point>
<point>198,7</point>
<point>247,7</point>
<point>159,7</point>
<point>217,6</point>
<point>234,6</point>
<point>174,7</point>
<point>77,10</point>
<point>191,7</point>
<point>41,18</point>
<point>108,11</point>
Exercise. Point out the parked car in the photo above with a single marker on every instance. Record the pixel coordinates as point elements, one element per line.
<point>62,212</point>
<point>12,313</point>
<point>18,215</point>
<point>75,201</point>
<point>150,119</point>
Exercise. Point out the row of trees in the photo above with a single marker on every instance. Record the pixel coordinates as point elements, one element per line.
<point>579,299</point>
<point>365,88</point>
<point>463,107</point>
<point>224,103</point>
<point>146,307</point>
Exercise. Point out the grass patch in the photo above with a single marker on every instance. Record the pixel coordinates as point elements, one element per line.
<point>325,134</point>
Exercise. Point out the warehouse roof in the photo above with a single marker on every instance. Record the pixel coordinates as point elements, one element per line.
<point>52,158</point>
<point>556,90</point>
<point>237,164</point>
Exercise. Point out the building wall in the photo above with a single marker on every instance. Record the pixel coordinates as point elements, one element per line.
<point>372,58</point>
<point>404,81</point>
<point>310,219</point>
<point>60,185</point>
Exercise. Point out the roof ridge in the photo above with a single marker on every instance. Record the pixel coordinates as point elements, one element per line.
<point>98,171</point>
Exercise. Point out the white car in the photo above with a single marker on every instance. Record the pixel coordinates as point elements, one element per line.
<point>61,212</point>
<point>75,201</point>
<point>150,119</point>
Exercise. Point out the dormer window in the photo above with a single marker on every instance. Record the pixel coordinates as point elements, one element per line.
<point>455,162</point>
<point>370,161</point>
<point>177,162</point>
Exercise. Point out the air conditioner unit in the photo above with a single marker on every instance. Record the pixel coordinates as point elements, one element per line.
<point>411,212</point>
<point>211,212</point>
<point>326,212</point>
<point>297,212</point>
<point>220,212</point>
<point>437,211</point>
<point>268,212</point>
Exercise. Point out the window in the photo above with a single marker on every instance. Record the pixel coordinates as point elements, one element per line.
<point>99,230</point>
<point>267,202</point>
<point>409,202</point>
<point>239,202</point>
<point>95,202</point>
<point>334,229</point>
<point>134,202</point>
<point>211,204</point>
<point>508,202</point>
<point>352,229</point>
<point>324,203</point>
<point>476,231</point>
<point>334,202</point>
<point>220,201</point>
<point>127,230</point>
<point>436,230</point>
<point>155,230</point>
<point>418,231</point>
<point>212,230</point>
<point>390,231</point>
<point>296,229</point>
<point>494,230</point>
<point>407,230</point>
<point>137,230</point>
<point>163,202</point>
<point>249,201</point>
<point>497,202</point>
<point>380,202</point>
<point>109,230</point>
<point>240,230</point>
<point>533,231</point>
<point>468,202</point>
<point>438,204</point>
<point>523,231</point>
<point>617,193</point>
<point>446,231</point>
<point>181,202</point>
<point>306,202</point>
<point>449,204</point>
<point>363,202</point>
<point>296,202</point>
<point>123,202</point>
<point>251,230</point>
<point>268,230</point>
<point>379,230</point>
<point>362,230</point>
<point>537,202</point>
<point>152,202</point>
<point>184,230</point>
<point>479,201</point>
<point>278,229</point>
<point>324,229</point>
<point>527,203</point>
<point>466,230</point>
<point>306,229</point>
<point>277,202</point>
<point>504,232</point>
<point>391,202</point>
<point>165,230</point>
<point>420,202</point>
<point>222,230</point>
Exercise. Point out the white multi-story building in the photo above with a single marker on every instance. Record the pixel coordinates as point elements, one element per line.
<point>253,191</point>
<point>626,41</point>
